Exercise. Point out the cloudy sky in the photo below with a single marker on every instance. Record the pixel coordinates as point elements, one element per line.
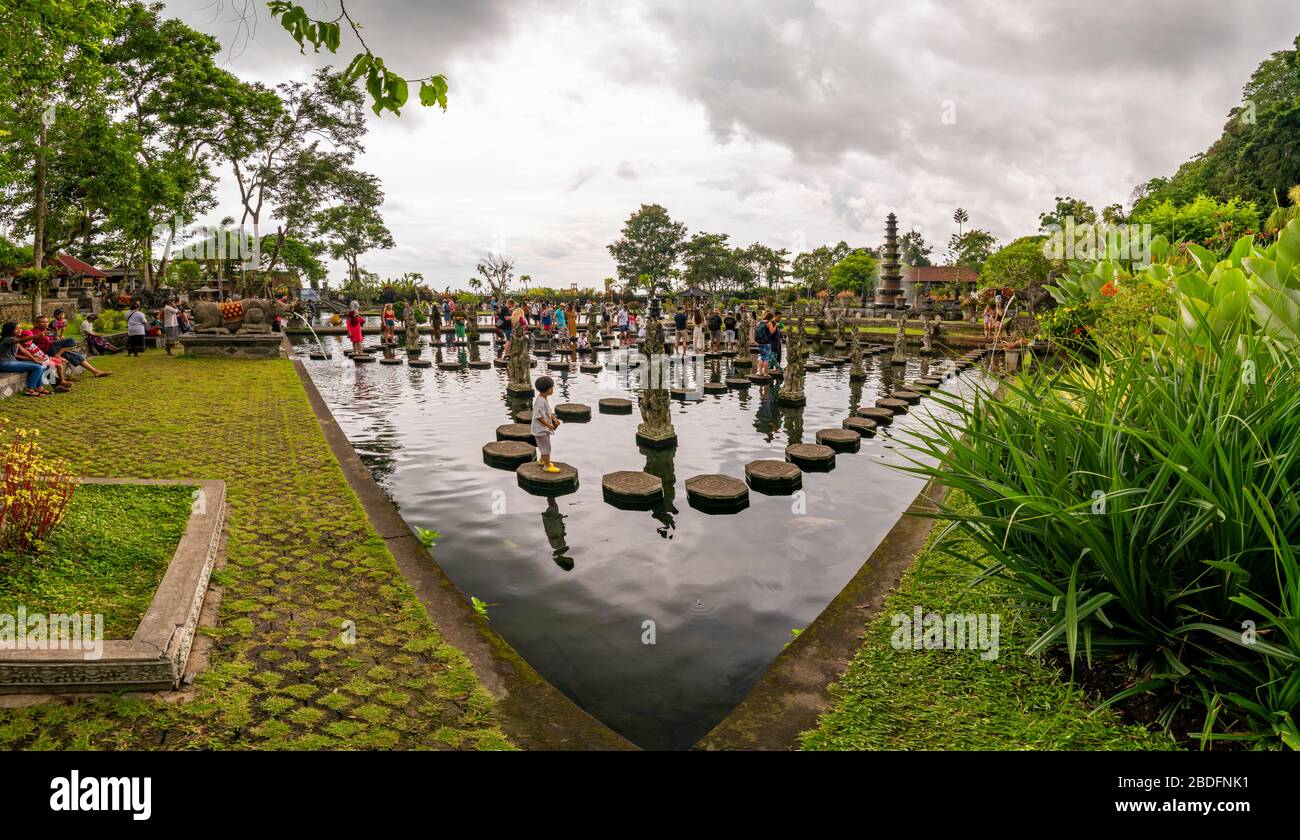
<point>791,122</point>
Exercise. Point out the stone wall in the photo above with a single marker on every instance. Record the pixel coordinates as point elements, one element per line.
<point>14,307</point>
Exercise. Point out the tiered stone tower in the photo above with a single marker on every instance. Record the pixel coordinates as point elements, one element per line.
<point>889,292</point>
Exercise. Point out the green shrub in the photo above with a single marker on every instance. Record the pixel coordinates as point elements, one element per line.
<point>1146,506</point>
<point>111,321</point>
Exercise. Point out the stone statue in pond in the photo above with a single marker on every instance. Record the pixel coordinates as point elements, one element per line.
<point>251,316</point>
<point>412,329</point>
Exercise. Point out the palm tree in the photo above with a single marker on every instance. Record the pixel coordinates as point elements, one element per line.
<point>961,217</point>
<point>1282,216</point>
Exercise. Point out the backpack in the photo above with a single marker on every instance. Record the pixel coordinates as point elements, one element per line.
<point>762,334</point>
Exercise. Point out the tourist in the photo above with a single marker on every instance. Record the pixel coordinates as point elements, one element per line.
<point>504,325</point>
<point>136,324</point>
<point>715,330</point>
<point>15,359</point>
<point>698,335</point>
<point>544,421</point>
<point>435,320</point>
<point>58,325</point>
<point>561,327</point>
<point>536,312</point>
<point>679,331</point>
<point>355,322</point>
<point>60,348</point>
<point>988,321</point>
<point>763,339</point>
<point>622,325</point>
<point>96,343</point>
<point>583,345</point>
<point>389,320</point>
<point>571,318</point>
<point>548,312</point>
<point>777,335</point>
<point>56,370</point>
<point>729,323</point>
<point>171,328</point>
<point>458,316</point>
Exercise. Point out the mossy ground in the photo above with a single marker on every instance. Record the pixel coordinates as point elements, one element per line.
<point>301,562</point>
<point>954,700</point>
<point>106,557</point>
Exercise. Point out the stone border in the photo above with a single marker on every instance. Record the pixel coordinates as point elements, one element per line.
<point>791,694</point>
<point>155,657</point>
<point>533,713</point>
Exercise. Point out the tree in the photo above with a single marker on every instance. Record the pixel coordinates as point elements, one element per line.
<point>768,265</point>
<point>812,270</point>
<point>971,248</point>
<point>855,273</point>
<point>961,217</point>
<point>354,227</point>
<point>1019,265</point>
<point>650,245</point>
<point>913,249</point>
<point>1067,208</point>
<point>498,271</point>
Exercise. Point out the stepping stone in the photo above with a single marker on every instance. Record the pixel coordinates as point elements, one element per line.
<point>524,416</point>
<point>614,405</point>
<point>448,365</point>
<point>536,480</point>
<point>591,368</point>
<point>319,357</point>
<point>917,387</point>
<point>573,412</point>
<point>713,355</point>
<point>743,363</point>
<point>459,344</point>
<point>909,397</point>
<point>773,477</point>
<point>501,363</point>
<point>508,454</point>
<point>812,367</point>
<point>420,363</point>
<point>811,456</point>
<point>516,431</point>
<point>864,426</point>
<point>362,358</point>
<point>390,361</point>
<point>777,374</point>
<point>896,406</point>
<point>932,381</point>
<point>759,379</point>
<point>481,364</point>
<point>841,440</point>
<point>717,493</point>
<point>882,416</point>
<point>545,354</point>
<point>635,490</point>
<point>680,393</point>
<point>715,388</point>
<point>737,382</point>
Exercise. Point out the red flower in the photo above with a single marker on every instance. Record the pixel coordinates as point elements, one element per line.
<point>1110,289</point>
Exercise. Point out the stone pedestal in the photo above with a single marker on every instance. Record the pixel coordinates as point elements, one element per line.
<point>254,346</point>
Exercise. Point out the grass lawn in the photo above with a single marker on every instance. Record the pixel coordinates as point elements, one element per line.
<point>953,699</point>
<point>303,565</point>
<point>107,556</point>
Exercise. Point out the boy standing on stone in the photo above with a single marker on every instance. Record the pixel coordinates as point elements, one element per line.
<point>544,421</point>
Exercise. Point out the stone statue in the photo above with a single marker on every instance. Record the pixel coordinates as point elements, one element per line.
<point>791,392</point>
<point>856,372</point>
<point>519,366</point>
<point>927,338</point>
<point>743,329</point>
<point>656,430</point>
<point>411,328</point>
<point>900,342</point>
<point>252,316</point>
<point>840,342</point>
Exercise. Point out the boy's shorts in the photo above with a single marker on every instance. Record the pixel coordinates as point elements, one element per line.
<point>716,335</point>
<point>543,444</point>
<point>731,335</point>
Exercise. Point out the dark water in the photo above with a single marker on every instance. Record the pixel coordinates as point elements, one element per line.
<point>572,581</point>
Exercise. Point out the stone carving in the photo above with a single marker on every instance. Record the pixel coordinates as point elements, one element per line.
<point>855,357</point>
<point>900,343</point>
<point>656,430</point>
<point>791,392</point>
<point>520,364</point>
<point>411,329</point>
<point>243,317</point>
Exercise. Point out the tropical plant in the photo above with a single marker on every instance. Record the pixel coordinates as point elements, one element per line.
<point>34,492</point>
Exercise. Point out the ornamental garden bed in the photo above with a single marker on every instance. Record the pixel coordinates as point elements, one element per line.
<point>132,557</point>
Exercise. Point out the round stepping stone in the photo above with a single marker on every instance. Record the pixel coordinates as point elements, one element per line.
<point>481,364</point>
<point>533,478</point>
<point>760,379</point>
<point>390,361</point>
<point>615,405</point>
<point>524,416</point>
<point>812,367</point>
<point>743,363</point>
<point>541,353</point>
<point>717,493</point>
<point>896,406</point>
<point>918,387</point>
<point>841,440</point>
<point>516,431</point>
<point>573,412</point>
<point>909,397</point>
<point>811,456</point>
<point>420,363</point>
<point>632,489</point>
<point>679,393</point>
<point>557,366</point>
<point>715,388</point>
<point>882,416</point>
<point>773,477</point>
<point>319,357</point>
<point>737,382</point>
<point>508,454</point>
<point>932,381</point>
<point>501,363</point>
<point>777,374</point>
<point>591,368</point>
<point>448,365</point>
<point>864,426</point>
<point>362,358</point>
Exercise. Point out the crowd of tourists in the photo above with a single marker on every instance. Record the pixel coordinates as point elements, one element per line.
<point>44,355</point>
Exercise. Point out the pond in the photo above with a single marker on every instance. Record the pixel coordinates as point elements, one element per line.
<point>571,582</point>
